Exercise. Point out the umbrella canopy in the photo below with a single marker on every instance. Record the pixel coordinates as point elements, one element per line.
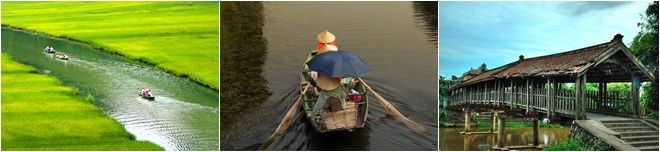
<point>339,64</point>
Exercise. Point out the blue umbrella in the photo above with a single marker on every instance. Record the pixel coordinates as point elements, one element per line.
<point>338,64</point>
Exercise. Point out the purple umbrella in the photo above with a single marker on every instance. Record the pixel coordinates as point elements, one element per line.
<point>338,64</point>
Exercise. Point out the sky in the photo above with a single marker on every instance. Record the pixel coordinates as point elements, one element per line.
<point>496,33</point>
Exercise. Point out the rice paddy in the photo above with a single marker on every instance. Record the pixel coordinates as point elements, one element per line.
<point>177,37</point>
<point>38,113</point>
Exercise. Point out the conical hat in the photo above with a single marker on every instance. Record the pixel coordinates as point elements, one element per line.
<point>326,37</point>
<point>328,48</point>
<point>327,83</point>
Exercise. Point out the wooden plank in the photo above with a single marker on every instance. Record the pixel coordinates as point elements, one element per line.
<point>344,119</point>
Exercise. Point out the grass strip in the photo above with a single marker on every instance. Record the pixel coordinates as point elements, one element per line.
<point>180,38</point>
<point>38,113</point>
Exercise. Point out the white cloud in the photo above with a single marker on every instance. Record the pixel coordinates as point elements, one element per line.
<point>495,31</point>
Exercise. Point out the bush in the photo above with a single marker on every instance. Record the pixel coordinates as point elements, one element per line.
<point>652,115</point>
<point>571,144</point>
<point>575,144</point>
<point>75,90</point>
<point>443,117</point>
<point>90,97</point>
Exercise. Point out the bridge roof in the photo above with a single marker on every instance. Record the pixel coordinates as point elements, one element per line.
<point>610,61</point>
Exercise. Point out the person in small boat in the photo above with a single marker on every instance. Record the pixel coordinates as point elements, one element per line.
<point>330,87</point>
<point>143,91</point>
<point>48,48</point>
<point>325,38</point>
<point>147,93</point>
<point>313,74</point>
<point>326,48</point>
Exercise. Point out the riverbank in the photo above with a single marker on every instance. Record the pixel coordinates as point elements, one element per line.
<point>40,114</point>
<point>180,38</point>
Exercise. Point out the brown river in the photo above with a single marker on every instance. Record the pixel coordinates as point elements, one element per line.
<point>452,140</point>
<point>264,45</point>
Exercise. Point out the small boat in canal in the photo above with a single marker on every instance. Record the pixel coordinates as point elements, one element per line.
<point>150,96</point>
<point>49,50</point>
<point>330,119</point>
<point>62,57</point>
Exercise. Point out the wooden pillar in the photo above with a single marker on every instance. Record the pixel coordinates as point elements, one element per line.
<point>493,121</point>
<point>548,96</point>
<point>500,130</point>
<point>527,94</point>
<point>512,92</point>
<point>553,102</point>
<point>634,96</point>
<point>576,111</point>
<point>467,121</point>
<point>486,92</point>
<point>536,132</point>
<point>605,100</point>
<point>583,96</point>
<point>463,95</point>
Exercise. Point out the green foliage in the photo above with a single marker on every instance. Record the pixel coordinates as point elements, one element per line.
<point>570,144</point>
<point>90,97</point>
<point>551,125</point>
<point>443,117</point>
<point>181,38</point>
<point>519,125</point>
<point>592,86</point>
<point>622,88</point>
<point>75,90</point>
<point>652,115</point>
<point>40,114</point>
<point>575,144</point>
<point>645,47</point>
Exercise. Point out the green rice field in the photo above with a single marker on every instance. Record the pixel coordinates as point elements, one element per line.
<point>177,37</point>
<point>38,113</point>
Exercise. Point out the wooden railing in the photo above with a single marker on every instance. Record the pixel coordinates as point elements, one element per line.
<point>611,101</point>
<point>563,101</point>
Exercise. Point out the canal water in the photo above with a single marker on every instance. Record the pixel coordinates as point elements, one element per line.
<point>452,140</point>
<point>264,45</point>
<point>183,116</point>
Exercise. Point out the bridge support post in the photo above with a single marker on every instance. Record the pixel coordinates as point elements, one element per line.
<point>492,121</point>
<point>536,132</point>
<point>500,130</point>
<point>467,121</point>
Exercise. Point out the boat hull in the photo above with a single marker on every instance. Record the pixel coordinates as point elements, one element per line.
<point>326,120</point>
<point>146,97</point>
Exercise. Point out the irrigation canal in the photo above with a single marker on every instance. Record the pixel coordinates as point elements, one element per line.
<point>184,116</point>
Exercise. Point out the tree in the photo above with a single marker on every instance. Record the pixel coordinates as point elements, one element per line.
<point>645,47</point>
<point>442,95</point>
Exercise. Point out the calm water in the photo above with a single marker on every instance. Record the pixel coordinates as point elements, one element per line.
<point>452,140</point>
<point>264,44</point>
<point>184,116</point>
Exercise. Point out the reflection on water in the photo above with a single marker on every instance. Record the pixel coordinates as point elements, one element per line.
<point>243,53</point>
<point>452,140</point>
<point>393,38</point>
<point>427,12</point>
<point>184,115</point>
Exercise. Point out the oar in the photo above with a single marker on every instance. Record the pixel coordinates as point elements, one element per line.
<point>285,121</point>
<point>392,111</point>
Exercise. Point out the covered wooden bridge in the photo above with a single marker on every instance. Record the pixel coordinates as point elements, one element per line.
<point>531,87</point>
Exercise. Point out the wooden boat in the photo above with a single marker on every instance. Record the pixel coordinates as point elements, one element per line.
<point>62,57</point>
<point>49,51</point>
<point>151,96</point>
<point>354,115</point>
